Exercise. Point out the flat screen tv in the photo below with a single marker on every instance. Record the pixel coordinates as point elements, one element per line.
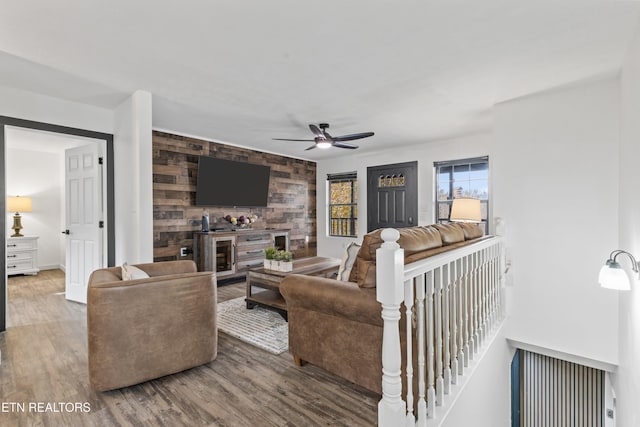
<point>228,183</point>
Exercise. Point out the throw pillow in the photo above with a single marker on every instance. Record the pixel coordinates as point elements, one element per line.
<point>348,258</point>
<point>129,272</point>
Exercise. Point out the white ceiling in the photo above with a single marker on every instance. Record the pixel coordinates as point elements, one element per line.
<point>244,72</point>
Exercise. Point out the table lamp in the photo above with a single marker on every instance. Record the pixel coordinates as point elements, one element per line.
<point>465,209</point>
<point>18,204</point>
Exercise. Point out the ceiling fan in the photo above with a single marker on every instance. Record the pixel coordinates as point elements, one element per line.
<point>322,138</point>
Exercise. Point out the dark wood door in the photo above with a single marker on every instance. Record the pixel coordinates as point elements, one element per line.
<point>392,196</point>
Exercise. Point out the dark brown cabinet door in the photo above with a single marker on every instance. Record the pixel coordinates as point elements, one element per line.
<point>392,196</point>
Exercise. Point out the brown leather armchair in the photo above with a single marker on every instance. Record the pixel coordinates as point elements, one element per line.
<point>143,329</point>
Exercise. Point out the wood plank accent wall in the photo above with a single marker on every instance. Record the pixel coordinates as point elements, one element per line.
<point>291,205</point>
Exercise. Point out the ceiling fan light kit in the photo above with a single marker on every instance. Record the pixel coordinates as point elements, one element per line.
<point>324,140</point>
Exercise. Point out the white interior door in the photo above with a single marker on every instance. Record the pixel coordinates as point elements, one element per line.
<point>84,218</point>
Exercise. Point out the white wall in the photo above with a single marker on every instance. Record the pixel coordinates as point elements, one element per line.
<point>555,181</point>
<point>133,180</point>
<point>627,379</point>
<point>31,106</point>
<point>29,173</point>
<point>457,148</point>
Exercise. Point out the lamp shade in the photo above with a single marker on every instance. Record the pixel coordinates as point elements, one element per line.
<point>613,277</point>
<point>19,204</point>
<point>465,210</point>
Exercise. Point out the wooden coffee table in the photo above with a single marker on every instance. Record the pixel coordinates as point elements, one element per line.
<point>268,281</point>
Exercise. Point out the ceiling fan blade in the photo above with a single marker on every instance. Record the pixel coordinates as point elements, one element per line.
<point>344,145</point>
<point>310,148</point>
<point>285,139</point>
<point>353,136</point>
<point>316,131</point>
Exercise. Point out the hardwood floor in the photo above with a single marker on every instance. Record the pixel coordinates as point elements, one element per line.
<point>44,362</point>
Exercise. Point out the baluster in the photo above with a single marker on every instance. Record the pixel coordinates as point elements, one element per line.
<point>453,279</point>
<point>438,315</point>
<point>480,300</point>
<point>489,299</point>
<point>460,318</point>
<point>494,269</point>
<point>430,321</point>
<point>491,320</point>
<point>499,281</point>
<point>503,279</point>
<point>492,281</point>
<point>420,297</point>
<point>485,293</point>
<point>408,303</point>
<point>483,284</point>
<point>389,292</point>
<point>446,335</point>
<point>472,309</point>
<point>465,302</point>
<point>475,279</point>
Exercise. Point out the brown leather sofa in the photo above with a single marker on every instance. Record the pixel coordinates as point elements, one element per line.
<point>143,329</point>
<point>337,325</point>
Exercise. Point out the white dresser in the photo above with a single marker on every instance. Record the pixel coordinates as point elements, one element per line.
<point>22,255</point>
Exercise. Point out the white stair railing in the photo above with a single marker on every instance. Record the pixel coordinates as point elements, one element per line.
<point>455,300</point>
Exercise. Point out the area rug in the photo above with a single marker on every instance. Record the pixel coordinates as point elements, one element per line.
<point>260,327</point>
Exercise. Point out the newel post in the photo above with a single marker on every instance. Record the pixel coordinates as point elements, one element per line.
<point>390,293</point>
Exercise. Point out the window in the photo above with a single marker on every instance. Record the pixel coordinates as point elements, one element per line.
<point>343,204</point>
<point>462,178</point>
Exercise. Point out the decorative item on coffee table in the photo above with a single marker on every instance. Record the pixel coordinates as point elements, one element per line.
<point>278,260</point>
<point>269,255</point>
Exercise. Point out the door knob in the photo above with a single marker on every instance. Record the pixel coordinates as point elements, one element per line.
<point>66,232</point>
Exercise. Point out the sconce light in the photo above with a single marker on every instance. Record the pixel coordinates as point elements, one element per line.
<point>465,209</point>
<point>612,276</point>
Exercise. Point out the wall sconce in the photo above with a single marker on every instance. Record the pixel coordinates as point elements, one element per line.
<point>612,276</point>
<point>465,209</point>
<point>18,204</point>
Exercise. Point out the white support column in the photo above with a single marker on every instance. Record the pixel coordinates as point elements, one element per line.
<point>389,292</point>
<point>420,301</point>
